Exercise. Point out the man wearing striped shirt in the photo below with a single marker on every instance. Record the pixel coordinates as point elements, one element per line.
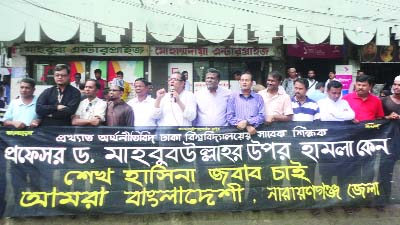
<point>246,108</point>
<point>304,108</point>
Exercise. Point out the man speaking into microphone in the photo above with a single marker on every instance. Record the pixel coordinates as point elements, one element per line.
<point>176,108</point>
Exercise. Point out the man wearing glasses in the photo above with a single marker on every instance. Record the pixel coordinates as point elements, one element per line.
<point>118,112</point>
<point>177,107</point>
<point>91,110</point>
<point>57,104</point>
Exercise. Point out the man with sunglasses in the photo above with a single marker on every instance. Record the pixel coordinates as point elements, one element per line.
<point>91,110</point>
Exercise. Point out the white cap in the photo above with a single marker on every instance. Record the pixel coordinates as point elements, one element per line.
<point>397,78</point>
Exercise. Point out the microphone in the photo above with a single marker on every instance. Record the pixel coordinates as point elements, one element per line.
<point>172,89</point>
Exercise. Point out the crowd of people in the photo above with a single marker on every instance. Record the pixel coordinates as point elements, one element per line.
<point>290,99</point>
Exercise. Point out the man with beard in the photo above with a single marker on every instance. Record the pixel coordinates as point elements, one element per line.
<point>212,101</point>
<point>279,106</point>
<point>118,112</point>
<point>311,82</point>
<point>391,104</point>
<point>391,108</point>
<point>304,108</point>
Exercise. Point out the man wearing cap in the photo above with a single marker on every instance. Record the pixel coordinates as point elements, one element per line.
<point>391,104</point>
<point>119,81</point>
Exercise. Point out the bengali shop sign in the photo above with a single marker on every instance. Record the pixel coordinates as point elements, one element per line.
<point>212,51</point>
<point>85,49</point>
<point>78,170</point>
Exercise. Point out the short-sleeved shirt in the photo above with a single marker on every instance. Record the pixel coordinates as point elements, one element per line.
<point>91,109</point>
<point>278,104</point>
<point>368,109</point>
<point>308,111</point>
<point>18,111</point>
<point>390,106</point>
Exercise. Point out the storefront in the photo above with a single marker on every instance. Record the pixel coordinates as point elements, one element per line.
<point>166,59</point>
<point>84,59</point>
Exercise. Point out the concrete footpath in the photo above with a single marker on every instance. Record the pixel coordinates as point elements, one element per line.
<point>366,216</point>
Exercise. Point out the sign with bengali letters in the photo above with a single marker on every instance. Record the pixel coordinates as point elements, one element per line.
<point>212,51</point>
<point>85,49</point>
<point>84,170</point>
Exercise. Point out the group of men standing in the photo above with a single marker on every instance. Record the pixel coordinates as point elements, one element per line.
<point>61,105</point>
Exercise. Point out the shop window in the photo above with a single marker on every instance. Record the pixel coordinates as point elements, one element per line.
<point>43,73</point>
<point>131,69</point>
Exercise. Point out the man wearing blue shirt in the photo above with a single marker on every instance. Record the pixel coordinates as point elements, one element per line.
<point>21,111</point>
<point>246,108</point>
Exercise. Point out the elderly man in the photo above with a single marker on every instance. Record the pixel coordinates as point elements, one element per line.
<point>245,108</point>
<point>143,104</point>
<point>288,83</point>
<point>21,112</point>
<point>332,108</point>
<point>277,102</point>
<point>118,112</point>
<point>57,104</point>
<point>91,110</point>
<point>176,107</point>
<point>212,101</point>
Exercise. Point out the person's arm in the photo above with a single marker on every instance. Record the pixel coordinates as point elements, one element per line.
<point>258,119</point>
<point>157,104</point>
<point>344,113</point>
<point>230,111</point>
<point>45,104</point>
<point>379,111</point>
<point>70,102</point>
<point>130,117</point>
<point>189,111</point>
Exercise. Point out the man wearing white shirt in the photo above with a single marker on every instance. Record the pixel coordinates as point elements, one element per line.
<point>143,104</point>
<point>212,101</point>
<point>333,108</point>
<point>91,110</point>
<point>176,107</point>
